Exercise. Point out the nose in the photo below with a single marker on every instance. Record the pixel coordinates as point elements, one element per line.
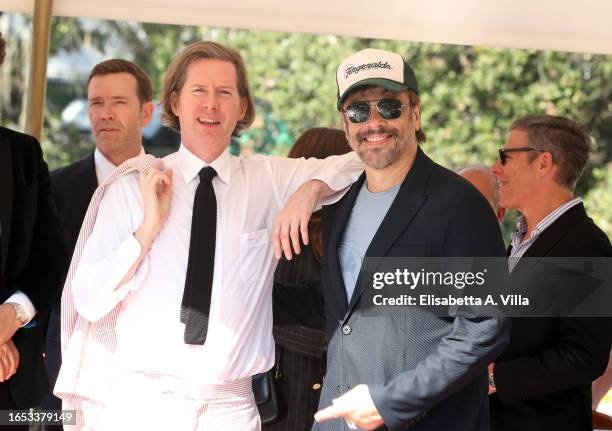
<point>375,118</point>
<point>496,169</point>
<point>210,101</point>
<point>107,112</point>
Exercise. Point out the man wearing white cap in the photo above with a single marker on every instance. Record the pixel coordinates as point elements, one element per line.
<point>403,370</point>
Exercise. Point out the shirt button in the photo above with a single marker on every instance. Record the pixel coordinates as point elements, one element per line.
<point>339,388</point>
<point>346,329</point>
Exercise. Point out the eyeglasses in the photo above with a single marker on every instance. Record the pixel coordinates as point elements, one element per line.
<point>503,157</point>
<point>389,109</point>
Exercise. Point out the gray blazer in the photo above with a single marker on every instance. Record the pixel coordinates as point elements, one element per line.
<point>424,372</point>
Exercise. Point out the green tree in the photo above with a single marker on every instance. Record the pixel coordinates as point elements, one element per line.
<point>469,95</point>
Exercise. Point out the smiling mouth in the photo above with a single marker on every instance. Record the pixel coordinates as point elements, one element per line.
<point>376,140</point>
<point>208,121</point>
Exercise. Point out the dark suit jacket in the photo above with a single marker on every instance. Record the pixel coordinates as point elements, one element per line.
<point>32,253</point>
<point>72,187</point>
<point>423,371</point>
<point>543,378</point>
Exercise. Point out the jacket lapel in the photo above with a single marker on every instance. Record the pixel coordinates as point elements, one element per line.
<point>337,219</point>
<point>551,236</point>
<point>6,198</point>
<point>87,171</point>
<point>410,198</point>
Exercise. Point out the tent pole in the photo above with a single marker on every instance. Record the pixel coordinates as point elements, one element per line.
<point>38,67</point>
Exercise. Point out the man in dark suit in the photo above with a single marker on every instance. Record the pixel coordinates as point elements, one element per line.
<point>542,381</point>
<point>119,95</point>
<point>31,257</point>
<point>411,369</point>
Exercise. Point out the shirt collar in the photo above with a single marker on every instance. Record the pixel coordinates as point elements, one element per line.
<point>190,165</point>
<point>105,167</point>
<point>521,222</point>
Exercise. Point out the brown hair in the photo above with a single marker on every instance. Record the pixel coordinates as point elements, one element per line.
<point>568,141</point>
<point>319,142</point>
<point>414,100</point>
<point>118,65</point>
<point>177,74</point>
<point>2,49</point>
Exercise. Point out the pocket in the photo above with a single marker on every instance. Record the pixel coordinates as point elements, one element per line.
<point>253,254</point>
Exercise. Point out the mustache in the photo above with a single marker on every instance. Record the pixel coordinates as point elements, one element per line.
<point>379,131</point>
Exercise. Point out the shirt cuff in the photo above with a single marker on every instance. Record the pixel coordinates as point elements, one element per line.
<point>22,299</point>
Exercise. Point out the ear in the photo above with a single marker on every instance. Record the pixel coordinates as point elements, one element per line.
<point>174,103</point>
<point>416,111</point>
<point>147,113</point>
<point>545,163</point>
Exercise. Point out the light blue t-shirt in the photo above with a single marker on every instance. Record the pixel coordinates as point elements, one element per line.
<point>368,213</point>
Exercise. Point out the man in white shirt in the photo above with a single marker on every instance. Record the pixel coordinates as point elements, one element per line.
<point>165,375</point>
<point>119,98</point>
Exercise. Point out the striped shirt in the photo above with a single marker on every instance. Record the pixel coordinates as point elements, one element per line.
<point>519,248</point>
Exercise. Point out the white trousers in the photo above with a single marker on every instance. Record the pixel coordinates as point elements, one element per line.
<point>147,402</point>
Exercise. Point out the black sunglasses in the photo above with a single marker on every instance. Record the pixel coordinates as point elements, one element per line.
<point>389,109</point>
<point>503,157</point>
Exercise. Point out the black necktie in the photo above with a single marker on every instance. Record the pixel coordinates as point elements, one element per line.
<point>195,307</point>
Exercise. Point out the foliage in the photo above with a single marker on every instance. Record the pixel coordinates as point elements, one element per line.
<point>469,95</point>
<point>598,201</point>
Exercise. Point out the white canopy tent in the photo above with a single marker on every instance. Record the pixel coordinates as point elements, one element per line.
<point>562,25</point>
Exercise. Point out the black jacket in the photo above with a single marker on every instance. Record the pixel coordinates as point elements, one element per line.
<point>544,376</point>
<point>72,187</point>
<point>32,253</point>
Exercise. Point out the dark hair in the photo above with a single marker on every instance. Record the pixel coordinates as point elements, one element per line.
<point>118,65</point>
<point>319,142</point>
<point>2,49</point>
<point>177,75</point>
<point>413,100</point>
<point>568,141</point>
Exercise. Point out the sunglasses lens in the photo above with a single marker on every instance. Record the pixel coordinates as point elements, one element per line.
<point>358,112</point>
<point>502,157</point>
<point>389,108</point>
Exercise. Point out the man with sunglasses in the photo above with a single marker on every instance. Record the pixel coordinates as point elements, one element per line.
<point>410,369</point>
<point>542,381</point>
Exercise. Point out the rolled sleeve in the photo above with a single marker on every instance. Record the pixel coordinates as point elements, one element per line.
<point>338,172</point>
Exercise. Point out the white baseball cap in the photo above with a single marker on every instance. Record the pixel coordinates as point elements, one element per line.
<point>374,67</point>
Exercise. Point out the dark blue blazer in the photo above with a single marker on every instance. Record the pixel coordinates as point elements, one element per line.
<point>72,187</point>
<point>424,372</point>
<point>32,253</point>
<point>544,375</point>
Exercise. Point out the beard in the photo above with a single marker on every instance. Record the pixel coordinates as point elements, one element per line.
<point>381,157</point>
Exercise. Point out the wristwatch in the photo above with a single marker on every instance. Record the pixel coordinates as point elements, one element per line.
<point>492,382</point>
<point>20,311</point>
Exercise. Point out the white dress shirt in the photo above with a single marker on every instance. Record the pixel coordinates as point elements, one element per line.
<point>104,168</point>
<point>250,192</point>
